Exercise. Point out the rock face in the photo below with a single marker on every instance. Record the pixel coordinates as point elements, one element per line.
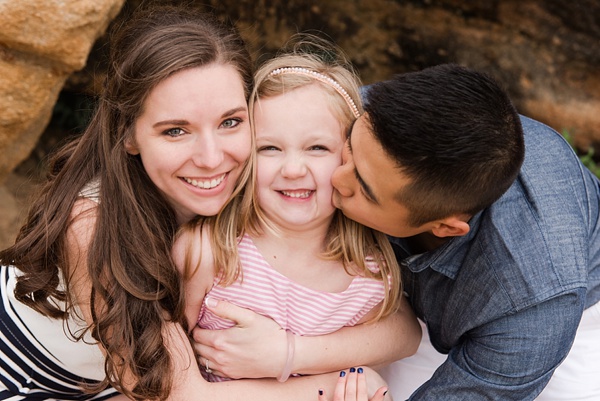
<point>41,44</point>
<point>545,52</point>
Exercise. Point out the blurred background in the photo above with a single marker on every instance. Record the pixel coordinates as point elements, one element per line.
<point>546,53</point>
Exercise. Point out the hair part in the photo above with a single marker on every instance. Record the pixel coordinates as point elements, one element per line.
<point>456,135</point>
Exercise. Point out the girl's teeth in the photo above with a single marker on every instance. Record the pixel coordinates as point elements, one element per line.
<point>297,194</point>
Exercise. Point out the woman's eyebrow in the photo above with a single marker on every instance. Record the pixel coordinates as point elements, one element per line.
<point>171,122</point>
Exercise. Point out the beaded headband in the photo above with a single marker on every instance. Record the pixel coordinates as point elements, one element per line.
<point>322,78</point>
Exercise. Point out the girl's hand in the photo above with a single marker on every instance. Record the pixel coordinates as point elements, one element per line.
<point>352,386</point>
<point>255,347</point>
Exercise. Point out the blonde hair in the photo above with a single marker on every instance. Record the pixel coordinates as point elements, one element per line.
<point>347,241</point>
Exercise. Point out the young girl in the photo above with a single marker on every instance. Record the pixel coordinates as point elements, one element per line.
<point>298,260</point>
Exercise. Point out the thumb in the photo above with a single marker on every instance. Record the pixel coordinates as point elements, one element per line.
<point>240,316</point>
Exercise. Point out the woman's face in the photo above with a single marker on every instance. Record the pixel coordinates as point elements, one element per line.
<point>193,138</point>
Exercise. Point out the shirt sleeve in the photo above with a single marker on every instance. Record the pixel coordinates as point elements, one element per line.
<point>511,358</point>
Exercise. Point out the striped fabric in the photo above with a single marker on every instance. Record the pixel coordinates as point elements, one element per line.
<point>28,370</point>
<point>302,310</point>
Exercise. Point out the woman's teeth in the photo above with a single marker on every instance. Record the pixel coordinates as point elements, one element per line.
<point>205,184</point>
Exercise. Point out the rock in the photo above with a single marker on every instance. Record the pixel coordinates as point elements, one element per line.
<point>41,44</point>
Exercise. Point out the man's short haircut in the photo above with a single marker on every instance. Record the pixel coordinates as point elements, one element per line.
<point>454,132</point>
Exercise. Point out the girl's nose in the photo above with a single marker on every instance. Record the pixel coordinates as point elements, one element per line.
<point>293,167</point>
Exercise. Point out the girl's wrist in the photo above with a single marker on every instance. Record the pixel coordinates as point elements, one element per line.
<point>288,366</point>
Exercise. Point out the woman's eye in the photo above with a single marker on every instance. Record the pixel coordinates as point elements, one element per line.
<point>174,132</point>
<point>317,147</point>
<point>231,122</point>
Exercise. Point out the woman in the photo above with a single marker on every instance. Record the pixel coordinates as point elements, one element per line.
<point>169,140</point>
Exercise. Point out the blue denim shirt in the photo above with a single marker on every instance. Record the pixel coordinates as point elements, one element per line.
<point>505,300</point>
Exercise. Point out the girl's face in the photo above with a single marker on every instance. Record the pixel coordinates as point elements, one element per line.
<point>193,138</point>
<point>299,144</point>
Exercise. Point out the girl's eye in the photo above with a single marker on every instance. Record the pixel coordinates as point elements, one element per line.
<point>317,147</point>
<point>231,122</point>
<point>267,148</point>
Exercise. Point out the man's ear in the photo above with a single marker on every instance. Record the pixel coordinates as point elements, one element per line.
<point>130,147</point>
<point>453,226</point>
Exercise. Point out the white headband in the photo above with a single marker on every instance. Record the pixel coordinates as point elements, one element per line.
<point>322,78</point>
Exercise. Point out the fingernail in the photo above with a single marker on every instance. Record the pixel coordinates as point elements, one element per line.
<point>352,370</point>
<point>342,373</point>
<point>320,392</point>
<point>359,370</point>
<point>210,302</point>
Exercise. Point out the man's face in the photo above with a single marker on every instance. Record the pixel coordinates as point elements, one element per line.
<point>366,184</point>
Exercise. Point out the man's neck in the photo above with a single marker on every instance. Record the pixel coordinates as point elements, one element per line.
<point>425,242</point>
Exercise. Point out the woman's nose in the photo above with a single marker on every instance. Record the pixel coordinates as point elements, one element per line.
<point>207,152</point>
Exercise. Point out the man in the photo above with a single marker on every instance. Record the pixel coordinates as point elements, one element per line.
<point>496,225</point>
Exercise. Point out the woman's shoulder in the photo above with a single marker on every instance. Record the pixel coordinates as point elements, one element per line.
<point>91,190</point>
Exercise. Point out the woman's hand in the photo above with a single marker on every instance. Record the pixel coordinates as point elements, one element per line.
<point>352,386</point>
<point>255,347</point>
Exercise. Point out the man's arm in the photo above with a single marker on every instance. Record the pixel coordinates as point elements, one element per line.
<point>511,358</point>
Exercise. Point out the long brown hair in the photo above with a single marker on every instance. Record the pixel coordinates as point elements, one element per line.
<point>133,277</point>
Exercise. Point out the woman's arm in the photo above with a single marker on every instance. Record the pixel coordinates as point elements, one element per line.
<point>189,385</point>
<point>192,255</point>
<point>257,346</point>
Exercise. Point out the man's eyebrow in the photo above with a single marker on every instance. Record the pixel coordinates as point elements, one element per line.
<point>365,188</point>
<point>348,133</point>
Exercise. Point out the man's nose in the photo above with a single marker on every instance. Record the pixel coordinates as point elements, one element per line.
<point>341,179</point>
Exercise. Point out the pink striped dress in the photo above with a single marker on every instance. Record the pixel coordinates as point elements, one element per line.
<point>294,307</point>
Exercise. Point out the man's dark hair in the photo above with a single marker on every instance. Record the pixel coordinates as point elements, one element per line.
<point>454,132</point>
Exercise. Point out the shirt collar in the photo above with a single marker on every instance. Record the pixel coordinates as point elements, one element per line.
<point>446,259</point>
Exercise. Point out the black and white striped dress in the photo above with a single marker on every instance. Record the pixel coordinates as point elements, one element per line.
<point>39,359</point>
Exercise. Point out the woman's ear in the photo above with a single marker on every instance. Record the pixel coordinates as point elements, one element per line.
<point>130,147</point>
<point>453,226</point>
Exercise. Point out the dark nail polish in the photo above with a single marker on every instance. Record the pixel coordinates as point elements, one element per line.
<point>352,370</point>
<point>385,392</point>
<point>342,373</point>
<point>320,392</point>
<point>359,370</point>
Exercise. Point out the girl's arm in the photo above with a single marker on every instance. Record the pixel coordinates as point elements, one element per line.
<point>188,383</point>
<point>257,346</point>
